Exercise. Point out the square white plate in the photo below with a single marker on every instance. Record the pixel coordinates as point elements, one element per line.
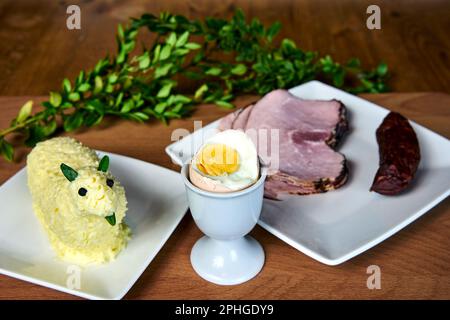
<point>156,204</point>
<point>336,226</point>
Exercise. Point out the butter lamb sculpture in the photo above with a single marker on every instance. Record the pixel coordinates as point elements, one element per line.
<point>78,202</point>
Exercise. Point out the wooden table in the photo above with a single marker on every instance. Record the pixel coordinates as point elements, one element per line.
<point>414,263</point>
<point>37,51</point>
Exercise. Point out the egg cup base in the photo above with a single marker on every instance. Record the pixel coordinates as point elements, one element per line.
<point>227,262</point>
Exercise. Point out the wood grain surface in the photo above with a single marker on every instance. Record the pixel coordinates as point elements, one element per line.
<point>414,263</point>
<point>37,51</point>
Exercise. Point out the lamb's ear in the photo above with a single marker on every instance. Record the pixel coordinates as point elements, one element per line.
<point>104,164</point>
<point>68,172</point>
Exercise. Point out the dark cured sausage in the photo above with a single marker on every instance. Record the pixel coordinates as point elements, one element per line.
<point>399,155</point>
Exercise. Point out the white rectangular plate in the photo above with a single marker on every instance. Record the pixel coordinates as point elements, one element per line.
<point>154,211</point>
<point>336,226</point>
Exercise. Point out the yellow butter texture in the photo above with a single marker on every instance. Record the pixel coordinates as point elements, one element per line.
<point>75,224</point>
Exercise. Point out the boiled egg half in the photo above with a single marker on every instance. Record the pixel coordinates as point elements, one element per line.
<point>226,162</point>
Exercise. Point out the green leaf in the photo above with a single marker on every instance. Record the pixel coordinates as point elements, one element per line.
<point>177,108</point>
<point>100,66</point>
<point>382,69</point>
<point>224,104</point>
<point>213,71</point>
<point>73,122</point>
<point>287,45</point>
<point>172,114</point>
<point>118,99</point>
<point>132,34</point>
<point>198,57</point>
<point>164,91</point>
<point>95,105</point>
<point>127,106</point>
<point>127,83</point>
<point>93,119</point>
<point>171,40</point>
<point>192,46</point>
<point>103,165</point>
<point>144,61</point>
<point>7,150</point>
<point>109,88</point>
<point>98,84</point>
<point>338,78</point>
<point>137,96</point>
<point>165,52</point>
<point>162,70</point>
<point>200,91</point>
<point>111,219</point>
<point>129,46</point>
<point>180,98</point>
<point>181,52</point>
<point>367,84</point>
<point>239,69</point>
<point>80,78</point>
<point>120,31</point>
<point>121,57</point>
<point>84,87</point>
<point>182,39</point>
<point>49,128</point>
<point>156,53</point>
<point>55,99</point>
<point>35,134</point>
<point>112,78</point>
<point>25,111</point>
<point>141,116</point>
<point>159,108</point>
<point>74,96</point>
<point>66,105</point>
<point>132,116</point>
<point>66,85</point>
<point>68,172</point>
<point>273,30</point>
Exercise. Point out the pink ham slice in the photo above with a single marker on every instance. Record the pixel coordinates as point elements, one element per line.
<point>227,121</point>
<point>308,129</point>
<point>236,120</point>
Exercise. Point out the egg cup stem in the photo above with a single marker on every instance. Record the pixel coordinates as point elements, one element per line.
<point>227,262</point>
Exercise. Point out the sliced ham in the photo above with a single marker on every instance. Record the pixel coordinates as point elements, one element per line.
<point>307,132</point>
<point>236,120</point>
<point>227,121</point>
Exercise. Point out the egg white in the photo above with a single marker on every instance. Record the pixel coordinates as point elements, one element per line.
<point>248,171</point>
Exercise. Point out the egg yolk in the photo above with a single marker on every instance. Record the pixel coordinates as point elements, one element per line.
<point>218,160</point>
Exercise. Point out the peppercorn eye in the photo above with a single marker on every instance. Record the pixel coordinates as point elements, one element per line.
<point>110,183</point>
<point>82,192</point>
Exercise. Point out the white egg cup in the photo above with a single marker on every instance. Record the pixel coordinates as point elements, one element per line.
<point>226,255</point>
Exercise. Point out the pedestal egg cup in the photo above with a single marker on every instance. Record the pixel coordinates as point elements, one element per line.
<point>226,255</point>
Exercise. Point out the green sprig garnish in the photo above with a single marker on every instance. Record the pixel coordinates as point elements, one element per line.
<point>103,165</point>
<point>144,85</point>
<point>68,172</point>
